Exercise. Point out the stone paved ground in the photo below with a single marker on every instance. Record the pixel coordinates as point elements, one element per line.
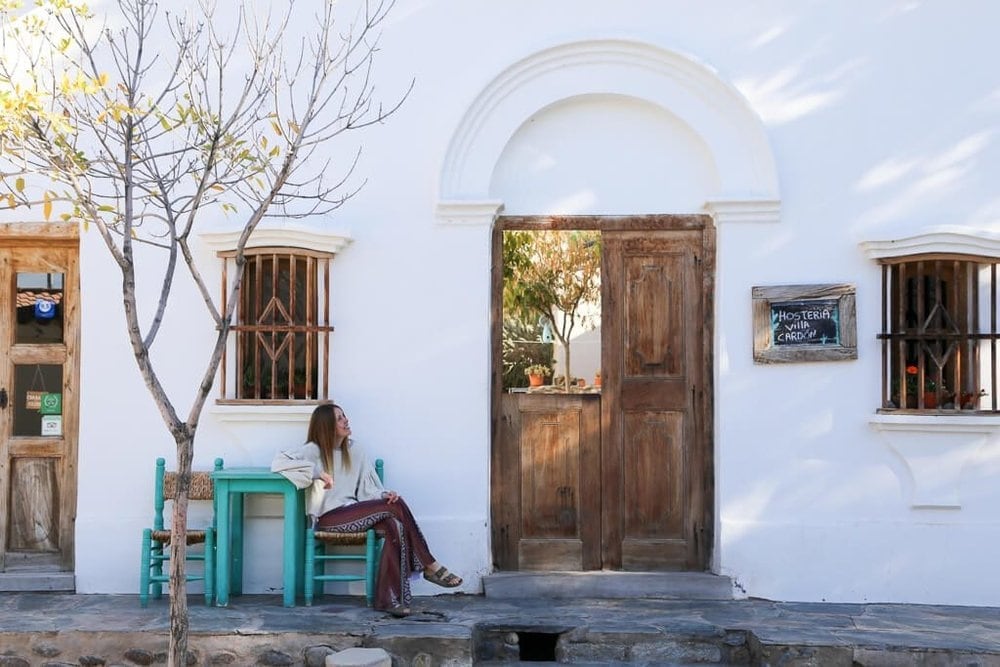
<point>64,629</point>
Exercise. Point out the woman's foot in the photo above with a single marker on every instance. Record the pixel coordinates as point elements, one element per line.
<point>441,576</point>
<point>399,611</point>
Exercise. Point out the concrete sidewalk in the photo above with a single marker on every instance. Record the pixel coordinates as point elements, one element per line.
<point>65,629</point>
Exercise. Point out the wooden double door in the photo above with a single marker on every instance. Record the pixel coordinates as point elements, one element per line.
<point>621,480</point>
<point>39,364</point>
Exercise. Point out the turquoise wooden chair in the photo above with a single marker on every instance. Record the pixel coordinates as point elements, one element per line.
<point>318,544</point>
<point>156,540</point>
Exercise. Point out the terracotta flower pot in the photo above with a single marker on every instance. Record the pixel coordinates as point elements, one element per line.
<point>536,380</point>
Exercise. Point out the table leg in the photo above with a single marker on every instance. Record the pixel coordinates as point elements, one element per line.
<point>238,505</point>
<point>292,552</point>
<point>222,547</point>
<point>300,541</point>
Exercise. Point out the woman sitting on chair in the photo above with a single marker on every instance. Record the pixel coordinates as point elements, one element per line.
<point>354,500</point>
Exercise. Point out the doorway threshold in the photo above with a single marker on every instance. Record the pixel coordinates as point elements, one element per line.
<point>35,581</point>
<point>609,585</point>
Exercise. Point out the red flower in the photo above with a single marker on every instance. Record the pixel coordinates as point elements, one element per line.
<point>912,370</point>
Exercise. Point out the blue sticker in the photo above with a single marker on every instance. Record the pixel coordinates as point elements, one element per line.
<point>44,309</point>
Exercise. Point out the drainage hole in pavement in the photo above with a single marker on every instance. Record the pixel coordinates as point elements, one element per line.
<point>537,646</point>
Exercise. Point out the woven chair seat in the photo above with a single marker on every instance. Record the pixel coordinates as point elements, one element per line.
<point>193,536</point>
<point>341,539</point>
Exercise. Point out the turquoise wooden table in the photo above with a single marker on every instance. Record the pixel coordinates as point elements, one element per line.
<point>231,487</point>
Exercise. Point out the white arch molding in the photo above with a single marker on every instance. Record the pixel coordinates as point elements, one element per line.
<point>713,109</point>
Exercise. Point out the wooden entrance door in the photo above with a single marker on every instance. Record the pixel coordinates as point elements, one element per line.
<point>656,325</point>
<point>39,325</point>
<point>620,480</point>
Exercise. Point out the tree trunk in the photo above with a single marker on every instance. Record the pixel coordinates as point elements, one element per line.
<point>569,376</point>
<point>179,622</point>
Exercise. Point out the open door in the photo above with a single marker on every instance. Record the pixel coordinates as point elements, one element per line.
<point>39,336</point>
<point>620,480</point>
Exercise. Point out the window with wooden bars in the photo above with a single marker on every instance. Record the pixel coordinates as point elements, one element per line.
<point>939,334</point>
<point>281,333</point>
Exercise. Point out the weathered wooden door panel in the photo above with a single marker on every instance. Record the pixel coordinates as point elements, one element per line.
<point>39,301</point>
<point>653,320</point>
<point>546,516</point>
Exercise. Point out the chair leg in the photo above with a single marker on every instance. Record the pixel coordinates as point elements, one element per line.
<point>209,569</point>
<point>144,565</point>
<point>370,567</point>
<point>156,569</point>
<point>310,570</point>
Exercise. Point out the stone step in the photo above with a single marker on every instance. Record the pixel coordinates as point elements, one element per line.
<point>36,581</point>
<point>607,585</point>
<point>674,642</point>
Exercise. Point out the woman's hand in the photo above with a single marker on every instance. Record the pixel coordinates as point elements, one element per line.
<point>327,479</point>
<point>390,496</point>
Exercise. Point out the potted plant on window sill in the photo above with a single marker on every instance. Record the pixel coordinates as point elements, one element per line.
<point>913,393</point>
<point>970,399</point>
<point>537,373</point>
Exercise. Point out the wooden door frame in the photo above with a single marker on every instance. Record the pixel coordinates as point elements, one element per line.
<point>63,236</point>
<point>652,222</point>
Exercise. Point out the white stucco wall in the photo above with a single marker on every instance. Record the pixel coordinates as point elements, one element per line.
<point>863,125</point>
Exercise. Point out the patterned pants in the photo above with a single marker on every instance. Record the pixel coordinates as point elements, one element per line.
<point>405,550</point>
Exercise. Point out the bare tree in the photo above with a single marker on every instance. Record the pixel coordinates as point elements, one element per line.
<point>142,130</point>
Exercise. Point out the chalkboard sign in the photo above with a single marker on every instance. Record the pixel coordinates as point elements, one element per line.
<point>800,323</point>
<point>805,322</point>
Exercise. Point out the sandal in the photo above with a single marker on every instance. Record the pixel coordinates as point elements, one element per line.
<point>399,611</point>
<point>443,578</point>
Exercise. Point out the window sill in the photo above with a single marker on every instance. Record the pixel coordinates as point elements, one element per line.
<point>946,420</point>
<point>258,411</point>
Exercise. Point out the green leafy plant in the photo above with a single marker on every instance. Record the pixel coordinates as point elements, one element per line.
<point>538,369</point>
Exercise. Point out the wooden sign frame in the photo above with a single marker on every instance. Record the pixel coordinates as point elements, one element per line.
<point>843,347</point>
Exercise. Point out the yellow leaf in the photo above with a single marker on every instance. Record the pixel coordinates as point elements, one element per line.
<point>218,188</point>
<point>274,151</point>
<point>277,128</point>
<point>263,143</point>
<point>11,202</point>
<point>19,184</point>
<point>47,208</point>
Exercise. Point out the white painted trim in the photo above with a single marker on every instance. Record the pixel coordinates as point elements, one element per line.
<point>281,235</point>
<point>935,450</point>
<point>948,239</point>
<point>244,414</point>
<point>744,210</point>
<point>689,90</point>
<point>468,212</point>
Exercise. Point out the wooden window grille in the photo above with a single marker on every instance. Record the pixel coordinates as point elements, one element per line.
<point>939,334</point>
<point>281,331</point>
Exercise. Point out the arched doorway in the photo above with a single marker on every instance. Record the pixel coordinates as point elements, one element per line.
<point>698,148</point>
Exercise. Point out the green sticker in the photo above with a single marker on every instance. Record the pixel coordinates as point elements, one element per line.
<point>51,404</point>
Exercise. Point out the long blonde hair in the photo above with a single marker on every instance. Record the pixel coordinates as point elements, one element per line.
<point>323,432</point>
